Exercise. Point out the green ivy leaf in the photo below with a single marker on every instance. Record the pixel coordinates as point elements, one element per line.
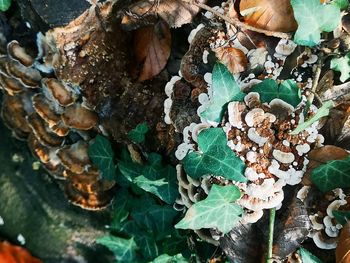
<point>216,211</point>
<point>343,66</point>
<point>321,112</point>
<point>123,249</point>
<point>332,175</point>
<point>154,219</point>
<point>225,89</point>
<point>165,258</point>
<point>287,91</point>
<point>139,133</point>
<point>148,246</point>
<point>216,157</point>
<point>342,217</point>
<point>341,4</point>
<point>313,18</point>
<point>5,5</point>
<point>102,155</point>
<point>307,257</point>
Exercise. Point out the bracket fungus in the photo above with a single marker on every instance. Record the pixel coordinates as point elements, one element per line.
<point>46,112</point>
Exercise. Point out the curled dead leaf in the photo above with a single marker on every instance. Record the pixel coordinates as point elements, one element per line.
<point>273,15</point>
<point>342,253</point>
<point>233,58</point>
<point>152,45</point>
<point>175,12</point>
<point>321,156</point>
<point>15,254</point>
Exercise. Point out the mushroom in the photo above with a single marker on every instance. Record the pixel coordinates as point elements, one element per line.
<point>254,117</point>
<point>56,91</point>
<point>283,157</point>
<point>250,217</point>
<point>43,107</point>
<point>280,108</point>
<point>16,52</point>
<point>11,85</point>
<point>42,132</point>
<point>254,136</point>
<point>30,77</point>
<point>303,192</point>
<point>235,110</point>
<point>78,117</point>
<point>252,99</point>
<point>47,156</point>
<point>13,113</point>
<point>75,157</point>
<point>323,243</point>
<point>86,200</point>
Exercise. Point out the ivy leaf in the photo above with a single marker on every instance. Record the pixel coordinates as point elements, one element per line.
<point>321,112</point>
<point>160,182</point>
<point>225,89</point>
<point>216,157</point>
<point>287,91</point>
<point>342,217</point>
<point>123,249</point>
<point>332,175</point>
<point>343,66</point>
<point>138,134</point>
<point>148,246</point>
<point>216,211</point>
<point>5,5</point>
<point>313,18</point>
<point>165,258</point>
<point>307,257</point>
<point>341,4</point>
<point>102,155</point>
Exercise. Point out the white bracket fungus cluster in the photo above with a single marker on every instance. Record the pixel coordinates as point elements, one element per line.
<point>46,112</point>
<point>325,229</point>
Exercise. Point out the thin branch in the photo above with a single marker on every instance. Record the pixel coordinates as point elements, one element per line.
<point>270,241</point>
<point>240,24</point>
<point>316,79</point>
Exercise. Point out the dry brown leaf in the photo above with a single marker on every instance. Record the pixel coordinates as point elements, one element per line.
<point>273,15</point>
<point>152,45</point>
<point>342,253</point>
<point>233,58</point>
<point>321,156</point>
<point>15,254</point>
<point>175,12</point>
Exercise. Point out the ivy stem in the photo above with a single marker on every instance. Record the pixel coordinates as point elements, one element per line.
<point>270,241</point>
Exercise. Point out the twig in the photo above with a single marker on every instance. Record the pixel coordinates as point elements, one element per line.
<point>270,241</point>
<point>240,24</point>
<point>316,79</point>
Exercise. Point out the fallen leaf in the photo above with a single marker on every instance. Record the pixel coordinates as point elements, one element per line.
<point>342,252</point>
<point>233,58</point>
<point>273,15</point>
<point>175,12</point>
<point>220,201</point>
<point>152,45</point>
<point>293,226</point>
<point>15,254</point>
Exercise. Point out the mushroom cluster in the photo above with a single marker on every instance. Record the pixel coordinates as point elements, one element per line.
<point>325,228</point>
<point>58,126</point>
<point>259,133</point>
